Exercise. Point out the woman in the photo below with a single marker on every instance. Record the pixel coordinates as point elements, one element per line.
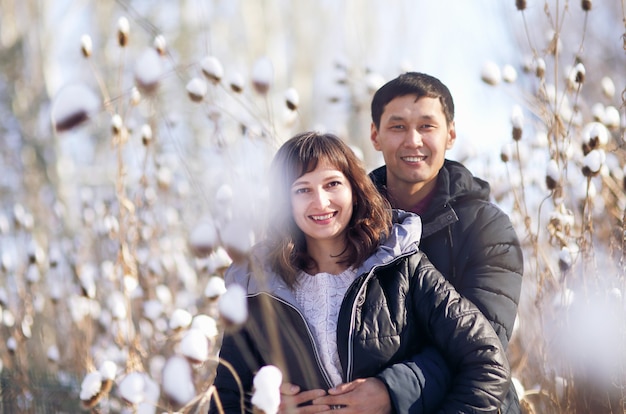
<point>340,292</point>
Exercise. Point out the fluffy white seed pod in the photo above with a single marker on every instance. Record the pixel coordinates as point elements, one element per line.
<point>132,387</point>
<point>178,380</point>
<point>292,99</point>
<point>608,87</point>
<point>33,274</point>
<point>577,74</point>
<point>123,30</point>
<point>135,96</point>
<point>215,287</point>
<point>237,237</point>
<point>552,174</point>
<point>236,82</point>
<point>116,303</point>
<point>262,75</point>
<point>180,319</point>
<point>595,134</point>
<point>194,346</point>
<point>565,259</point>
<point>266,395</point>
<point>148,70</point>
<point>212,68</point>
<point>517,120</point>
<point>160,45</point>
<point>72,106</point>
<point>35,253</point>
<point>203,238</point>
<point>593,162</point>
<point>506,153</point>
<point>108,370</point>
<point>90,389</point>
<point>611,117</point>
<point>218,261</point>
<point>206,324</point>
<point>165,176</point>
<point>540,67</point>
<point>87,276</point>
<point>196,89</point>
<point>152,309</point>
<point>86,45</point>
<point>117,124</point>
<point>233,306</point>
<point>490,73</point>
<point>164,294</point>
<point>509,74</point>
<point>146,134</point>
<point>517,117</point>
<point>597,110</point>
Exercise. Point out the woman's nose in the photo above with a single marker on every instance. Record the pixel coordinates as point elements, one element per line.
<point>321,199</point>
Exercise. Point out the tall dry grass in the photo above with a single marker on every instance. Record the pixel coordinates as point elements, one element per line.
<point>100,207</point>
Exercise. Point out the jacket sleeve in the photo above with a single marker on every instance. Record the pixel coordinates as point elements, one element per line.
<point>492,277</point>
<point>464,338</point>
<point>429,377</point>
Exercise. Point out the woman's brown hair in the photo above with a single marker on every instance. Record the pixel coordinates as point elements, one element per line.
<point>371,216</point>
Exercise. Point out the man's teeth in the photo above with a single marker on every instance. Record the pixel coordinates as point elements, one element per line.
<point>324,217</point>
<point>414,159</point>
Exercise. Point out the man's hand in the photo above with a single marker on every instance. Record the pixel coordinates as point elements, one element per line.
<point>291,397</point>
<point>361,396</point>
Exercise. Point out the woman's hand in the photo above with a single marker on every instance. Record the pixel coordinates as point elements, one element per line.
<point>291,397</point>
<point>361,396</point>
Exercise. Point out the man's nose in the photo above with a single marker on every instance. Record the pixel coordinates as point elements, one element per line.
<point>414,138</point>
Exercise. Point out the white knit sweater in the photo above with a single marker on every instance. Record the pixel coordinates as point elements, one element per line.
<point>320,297</point>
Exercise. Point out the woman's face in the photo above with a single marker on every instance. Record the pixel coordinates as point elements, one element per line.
<point>321,203</point>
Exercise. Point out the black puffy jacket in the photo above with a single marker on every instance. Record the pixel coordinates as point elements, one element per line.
<point>398,305</point>
<point>473,244</point>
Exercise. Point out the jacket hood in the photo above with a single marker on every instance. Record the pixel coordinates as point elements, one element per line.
<point>460,183</point>
<point>255,274</point>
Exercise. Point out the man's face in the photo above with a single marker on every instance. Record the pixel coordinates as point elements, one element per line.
<point>413,137</point>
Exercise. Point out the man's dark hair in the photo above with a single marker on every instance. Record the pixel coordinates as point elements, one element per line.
<point>412,83</point>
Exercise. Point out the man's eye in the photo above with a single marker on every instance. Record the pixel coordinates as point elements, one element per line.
<point>397,127</point>
<point>300,190</point>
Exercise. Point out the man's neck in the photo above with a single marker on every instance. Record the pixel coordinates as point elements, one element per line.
<point>407,196</point>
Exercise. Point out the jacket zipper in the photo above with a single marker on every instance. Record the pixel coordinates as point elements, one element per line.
<point>356,304</point>
<point>311,339</point>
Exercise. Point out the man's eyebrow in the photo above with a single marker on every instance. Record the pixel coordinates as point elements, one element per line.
<point>396,118</point>
<point>402,118</point>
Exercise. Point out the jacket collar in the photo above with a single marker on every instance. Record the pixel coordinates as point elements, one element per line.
<point>454,182</point>
<point>403,239</point>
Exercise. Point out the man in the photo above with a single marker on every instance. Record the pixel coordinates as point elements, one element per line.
<point>466,237</point>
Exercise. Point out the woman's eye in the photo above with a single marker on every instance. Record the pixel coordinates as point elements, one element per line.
<point>334,183</point>
<point>300,190</point>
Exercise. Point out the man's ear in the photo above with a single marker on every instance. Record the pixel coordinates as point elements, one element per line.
<point>374,137</point>
<point>451,135</point>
